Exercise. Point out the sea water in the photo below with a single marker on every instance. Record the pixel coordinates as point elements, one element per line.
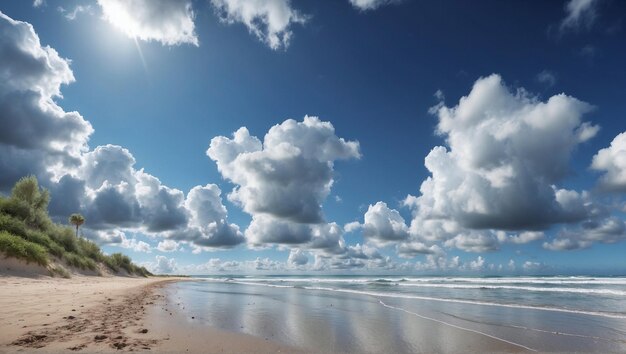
<point>409,314</point>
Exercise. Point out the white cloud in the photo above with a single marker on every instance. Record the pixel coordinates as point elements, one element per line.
<point>474,241</point>
<point>612,162</point>
<point>365,5</point>
<point>608,230</point>
<point>37,136</point>
<point>352,226</point>
<point>439,263</point>
<point>521,238</point>
<point>383,225</point>
<point>112,194</point>
<point>495,174</point>
<point>37,3</point>
<point>579,14</point>
<point>267,264</point>
<point>163,265</point>
<point>529,266</point>
<point>297,257</point>
<point>213,265</point>
<point>208,226</point>
<point>136,245</point>
<point>170,22</point>
<point>168,246</point>
<point>283,180</point>
<point>116,195</point>
<point>269,20</point>
<point>266,230</point>
<point>414,248</point>
<point>289,175</point>
<point>73,14</point>
<point>478,264</point>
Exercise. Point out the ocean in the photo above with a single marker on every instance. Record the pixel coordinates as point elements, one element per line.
<point>414,314</point>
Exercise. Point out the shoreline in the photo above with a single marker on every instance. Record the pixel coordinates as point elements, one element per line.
<point>104,314</point>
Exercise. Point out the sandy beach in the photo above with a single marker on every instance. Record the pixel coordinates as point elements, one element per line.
<point>101,314</point>
<point>111,314</point>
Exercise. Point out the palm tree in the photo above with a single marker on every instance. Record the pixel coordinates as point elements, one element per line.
<point>77,220</point>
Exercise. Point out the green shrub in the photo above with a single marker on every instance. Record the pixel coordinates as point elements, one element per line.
<point>90,249</point>
<point>13,225</point>
<point>79,261</point>
<point>56,250</point>
<point>16,208</point>
<point>64,236</point>
<point>110,262</point>
<point>143,272</point>
<point>17,247</point>
<point>123,261</point>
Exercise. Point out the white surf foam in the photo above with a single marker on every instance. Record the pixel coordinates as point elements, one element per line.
<point>525,288</point>
<point>428,298</point>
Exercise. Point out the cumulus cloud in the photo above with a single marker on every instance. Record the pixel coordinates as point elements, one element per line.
<point>38,137</point>
<point>297,257</point>
<point>364,5</point>
<point>170,22</point>
<point>579,14</point>
<point>208,226</point>
<point>607,230</point>
<point>117,195</point>
<point>521,238</point>
<point>163,265</point>
<point>612,162</point>
<point>414,248</point>
<point>474,241</point>
<point>215,265</point>
<point>289,174</point>
<point>136,245</point>
<point>168,246</point>
<point>269,20</point>
<point>439,263</point>
<point>495,174</point>
<point>325,237</point>
<point>478,264</point>
<point>112,194</point>
<point>283,181</point>
<point>382,225</point>
<point>530,266</point>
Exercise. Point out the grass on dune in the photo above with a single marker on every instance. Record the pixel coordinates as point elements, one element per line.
<point>28,233</point>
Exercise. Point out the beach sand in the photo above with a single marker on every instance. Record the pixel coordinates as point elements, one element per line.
<point>92,314</point>
<point>102,314</point>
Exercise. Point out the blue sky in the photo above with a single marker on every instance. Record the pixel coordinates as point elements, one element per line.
<point>163,85</point>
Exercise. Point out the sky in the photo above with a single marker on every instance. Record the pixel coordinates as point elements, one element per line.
<point>347,136</point>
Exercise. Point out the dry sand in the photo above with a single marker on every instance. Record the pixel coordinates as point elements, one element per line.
<point>102,314</point>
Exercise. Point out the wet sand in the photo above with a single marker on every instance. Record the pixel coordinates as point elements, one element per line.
<point>311,321</point>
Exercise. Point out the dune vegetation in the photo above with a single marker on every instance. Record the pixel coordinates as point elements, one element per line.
<point>28,233</point>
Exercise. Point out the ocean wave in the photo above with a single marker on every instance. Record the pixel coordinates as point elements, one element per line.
<point>524,288</point>
<point>443,280</point>
<point>437,299</point>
